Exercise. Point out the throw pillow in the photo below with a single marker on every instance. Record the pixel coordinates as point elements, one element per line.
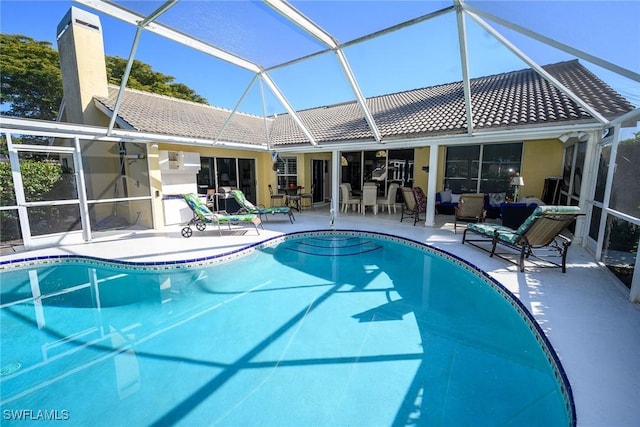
<point>496,198</point>
<point>455,198</point>
<point>421,199</point>
<point>445,196</point>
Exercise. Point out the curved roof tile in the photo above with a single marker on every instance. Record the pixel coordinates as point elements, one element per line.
<point>518,98</point>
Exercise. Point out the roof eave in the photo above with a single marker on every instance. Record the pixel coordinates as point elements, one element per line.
<point>479,136</point>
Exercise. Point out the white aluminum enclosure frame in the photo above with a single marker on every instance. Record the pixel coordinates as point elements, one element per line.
<point>285,9</point>
<point>147,23</point>
<point>461,8</point>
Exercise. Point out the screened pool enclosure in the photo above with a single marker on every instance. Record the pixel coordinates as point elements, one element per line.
<point>313,83</point>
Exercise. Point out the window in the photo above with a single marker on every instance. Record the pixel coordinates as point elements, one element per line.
<point>287,173</point>
<point>401,167</point>
<point>461,170</point>
<point>206,175</point>
<point>499,163</point>
<point>216,170</point>
<point>359,166</point>
<point>226,170</point>
<point>482,168</point>
<point>352,169</point>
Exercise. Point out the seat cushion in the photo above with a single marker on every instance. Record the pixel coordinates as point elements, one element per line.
<point>488,229</point>
<point>508,236</point>
<point>236,218</point>
<point>276,209</point>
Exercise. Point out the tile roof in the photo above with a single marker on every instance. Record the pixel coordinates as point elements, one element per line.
<point>161,114</point>
<point>500,102</point>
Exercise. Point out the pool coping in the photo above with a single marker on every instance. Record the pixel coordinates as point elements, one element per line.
<point>515,302</point>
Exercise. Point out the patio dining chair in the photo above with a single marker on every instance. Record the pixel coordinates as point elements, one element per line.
<point>470,209</point>
<point>275,197</point>
<point>307,196</point>
<point>347,199</point>
<point>369,198</point>
<point>390,200</point>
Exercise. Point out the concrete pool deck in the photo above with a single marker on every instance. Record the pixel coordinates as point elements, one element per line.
<point>585,313</point>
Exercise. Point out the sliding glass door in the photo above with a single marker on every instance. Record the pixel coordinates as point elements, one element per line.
<point>485,168</point>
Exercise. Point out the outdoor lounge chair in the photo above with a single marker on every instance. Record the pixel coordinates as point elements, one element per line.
<point>470,209</point>
<point>248,207</point>
<point>203,216</point>
<point>539,233</point>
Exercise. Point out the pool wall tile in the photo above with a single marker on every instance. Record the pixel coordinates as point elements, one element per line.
<point>229,256</point>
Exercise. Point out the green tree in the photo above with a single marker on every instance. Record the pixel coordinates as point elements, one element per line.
<point>39,179</point>
<point>142,77</point>
<point>31,81</point>
<point>31,87</point>
<point>31,84</point>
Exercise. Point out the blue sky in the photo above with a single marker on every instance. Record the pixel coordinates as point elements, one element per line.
<point>418,56</point>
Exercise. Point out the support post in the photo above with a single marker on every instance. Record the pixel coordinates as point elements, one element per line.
<point>430,217</point>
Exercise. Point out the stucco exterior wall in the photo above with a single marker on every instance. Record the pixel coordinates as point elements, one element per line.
<point>540,159</point>
<point>420,160</point>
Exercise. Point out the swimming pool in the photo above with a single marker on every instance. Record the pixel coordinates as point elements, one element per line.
<point>309,329</point>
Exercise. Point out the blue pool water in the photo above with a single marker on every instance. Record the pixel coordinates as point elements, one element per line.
<point>312,329</point>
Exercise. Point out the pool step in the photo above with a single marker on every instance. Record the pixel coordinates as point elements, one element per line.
<point>338,246</point>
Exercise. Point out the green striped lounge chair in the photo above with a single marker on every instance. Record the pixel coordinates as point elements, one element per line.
<point>248,207</point>
<point>539,237</point>
<point>203,216</point>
